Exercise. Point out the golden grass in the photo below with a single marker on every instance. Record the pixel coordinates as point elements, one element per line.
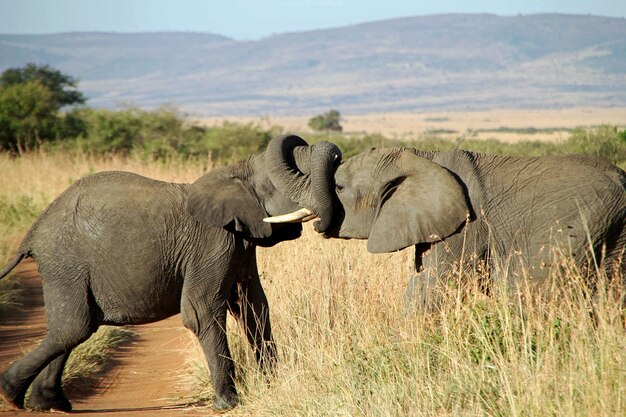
<point>347,347</point>
<point>89,358</point>
<point>45,175</point>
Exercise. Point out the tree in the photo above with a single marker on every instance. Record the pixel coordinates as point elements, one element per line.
<point>28,114</point>
<point>30,101</point>
<point>62,87</point>
<point>327,121</point>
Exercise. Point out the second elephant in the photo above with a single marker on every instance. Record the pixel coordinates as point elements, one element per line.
<point>519,216</point>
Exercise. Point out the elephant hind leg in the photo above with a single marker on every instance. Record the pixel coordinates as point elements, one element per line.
<point>47,390</point>
<point>70,322</point>
<point>248,304</point>
<point>15,381</point>
<point>615,262</point>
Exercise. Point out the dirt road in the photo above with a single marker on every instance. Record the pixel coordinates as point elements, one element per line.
<point>142,379</point>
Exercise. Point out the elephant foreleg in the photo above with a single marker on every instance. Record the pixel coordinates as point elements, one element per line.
<point>420,292</point>
<point>210,328</point>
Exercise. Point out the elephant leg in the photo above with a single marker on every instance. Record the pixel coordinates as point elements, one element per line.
<point>615,263</point>
<point>422,284</point>
<point>420,291</point>
<point>46,391</point>
<point>249,305</point>
<point>209,325</point>
<point>69,324</point>
<point>432,263</point>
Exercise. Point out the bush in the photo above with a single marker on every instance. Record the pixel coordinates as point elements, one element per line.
<point>160,135</point>
<point>121,131</point>
<point>329,121</point>
<point>164,133</point>
<point>232,142</point>
<point>604,142</point>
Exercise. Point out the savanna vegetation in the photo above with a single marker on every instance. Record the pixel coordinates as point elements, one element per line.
<point>329,121</point>
<point>346,345</point>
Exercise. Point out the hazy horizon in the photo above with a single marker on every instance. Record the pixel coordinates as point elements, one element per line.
<point>247,20</point>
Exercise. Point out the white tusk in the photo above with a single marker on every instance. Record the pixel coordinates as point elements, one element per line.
<point>297,216</point>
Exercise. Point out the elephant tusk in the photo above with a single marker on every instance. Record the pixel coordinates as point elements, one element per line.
<point>297,216</point>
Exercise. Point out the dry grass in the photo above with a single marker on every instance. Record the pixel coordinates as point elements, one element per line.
<point>89,358</point>
<point>43,176</point>
<point>9,294</point>
<point>348,347</point>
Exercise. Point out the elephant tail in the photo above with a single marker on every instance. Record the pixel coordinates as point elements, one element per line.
<point>12,264</point>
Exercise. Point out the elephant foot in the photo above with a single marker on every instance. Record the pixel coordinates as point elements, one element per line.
<point>222,404</point>
<point>10,396</point>
<point>48,401</point>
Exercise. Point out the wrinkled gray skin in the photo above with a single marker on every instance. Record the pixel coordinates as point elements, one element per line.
<point>117,248</point>
<point>514,214</point>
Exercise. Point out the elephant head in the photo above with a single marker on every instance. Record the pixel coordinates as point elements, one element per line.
<point>240,196</point>
<point>396,199</point>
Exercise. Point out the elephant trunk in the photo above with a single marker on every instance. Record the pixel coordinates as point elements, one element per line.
<point>304,174</point>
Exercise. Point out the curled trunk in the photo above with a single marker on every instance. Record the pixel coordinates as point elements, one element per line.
<point>304,173</point>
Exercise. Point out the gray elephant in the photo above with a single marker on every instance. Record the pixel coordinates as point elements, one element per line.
<point>517,215</point>
<point>117,248</point>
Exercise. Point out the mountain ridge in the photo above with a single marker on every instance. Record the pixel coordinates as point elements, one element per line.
<point>448,61</point>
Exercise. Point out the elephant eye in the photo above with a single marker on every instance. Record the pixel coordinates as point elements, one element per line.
<point>338,188</point>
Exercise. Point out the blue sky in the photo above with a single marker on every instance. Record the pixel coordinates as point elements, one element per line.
<point>249,19</point>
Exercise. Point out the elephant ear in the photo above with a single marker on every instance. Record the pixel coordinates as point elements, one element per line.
<point>219,198</point>
<point>425,203</point>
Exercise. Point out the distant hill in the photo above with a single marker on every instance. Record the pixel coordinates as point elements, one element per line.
<point>454,61</point>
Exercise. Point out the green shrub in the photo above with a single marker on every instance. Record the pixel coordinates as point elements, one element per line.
<point>231,142</point>
<point>27,115</point>
<point>19,214</point>
<point>160,135</point>
<point>329,121</point>
<point>604,142</point>
<point>164,133</point>
<point>30,102</point>
<point>351,145</point>
<point>121,131</point>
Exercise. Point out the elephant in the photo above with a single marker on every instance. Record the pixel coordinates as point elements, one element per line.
<point>516,215</point>
<point>117,248</point>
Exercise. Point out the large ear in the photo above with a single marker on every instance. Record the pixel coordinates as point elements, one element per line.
<point>425,203</point>
<point>218,198</point>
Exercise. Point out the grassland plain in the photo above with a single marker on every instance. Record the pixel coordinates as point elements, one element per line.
<point>505,125</point>
<point>346,345</point>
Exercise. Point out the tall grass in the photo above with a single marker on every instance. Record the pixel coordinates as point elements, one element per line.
<point>348,347</point>
<point>90,358</point>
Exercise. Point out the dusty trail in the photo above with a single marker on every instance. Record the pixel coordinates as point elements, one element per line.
<point>140,380</point>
